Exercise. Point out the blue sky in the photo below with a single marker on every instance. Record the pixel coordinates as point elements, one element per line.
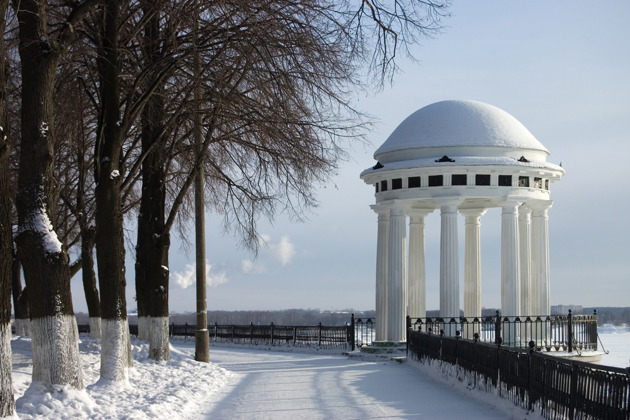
<point>562,68</point>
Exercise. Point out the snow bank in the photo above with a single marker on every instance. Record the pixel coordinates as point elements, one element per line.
<point>165,390</point>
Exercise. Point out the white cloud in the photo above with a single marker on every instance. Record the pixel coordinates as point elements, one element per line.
<point>188,277</point>
<point>281,251</point>
<point>284,250</point>
<point>250,267</point>
<point>216,279</point>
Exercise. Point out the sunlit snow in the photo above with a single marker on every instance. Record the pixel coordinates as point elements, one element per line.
<point>244,383</point>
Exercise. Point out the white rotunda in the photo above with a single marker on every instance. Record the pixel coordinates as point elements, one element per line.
<point>460,157</point>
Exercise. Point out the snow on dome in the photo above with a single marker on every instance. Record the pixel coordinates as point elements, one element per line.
<point>459,126</point>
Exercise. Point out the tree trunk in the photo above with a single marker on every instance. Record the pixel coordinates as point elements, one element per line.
<point>46,264</point>
<point>88,236</point>
<point>89,281</point>
<point>20,300</point>
<point>7,404</point>
<point>110,247</point>
<point>152,273</point>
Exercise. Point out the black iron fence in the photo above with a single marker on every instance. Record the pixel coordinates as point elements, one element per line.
<point>359,332</point>
<point>567,333</point>
<point>321,336</point>
<point>556,387</point>
<point>364,331</point>
<point>553,333</point>
<point>298,336</point>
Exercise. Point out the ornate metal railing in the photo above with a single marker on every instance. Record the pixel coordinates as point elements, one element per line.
<point>364,331</point>
<point>359,332</point>
<point>556,387</point>
<point>298,336</point>
<point>567,333</point>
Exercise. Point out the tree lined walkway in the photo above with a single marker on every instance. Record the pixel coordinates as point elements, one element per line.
<point>315,386</point>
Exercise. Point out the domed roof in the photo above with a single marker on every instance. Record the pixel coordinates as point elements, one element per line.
<point>454,125</point>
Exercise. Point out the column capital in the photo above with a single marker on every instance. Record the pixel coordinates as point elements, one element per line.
<point>416,213</point>
<point>448,201</point>
<point>472,212</point>
<point>524,211</point>
<point>510,203</point>
<point>539,205</point>
<point>389,207</point>
<point>380,209</point>
<point>395,205</point>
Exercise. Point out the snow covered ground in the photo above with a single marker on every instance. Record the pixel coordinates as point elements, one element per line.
<point>178,389</point>
<point>616,341</point>
<point>258,384</point>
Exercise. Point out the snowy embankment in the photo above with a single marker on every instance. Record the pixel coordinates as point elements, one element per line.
<point>615,339</point>
<point>179,388</point>
<point>260,383</point>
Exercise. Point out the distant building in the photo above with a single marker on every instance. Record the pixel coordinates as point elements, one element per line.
<point>564,309</point>
<point>460,157</point>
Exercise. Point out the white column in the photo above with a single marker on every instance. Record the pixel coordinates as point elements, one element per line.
<point>525,251</point>
<point>510,287</point>
<point>416,296</point>
<point>472,262</point>
<point>397,275</point>
<point>540,256</point>
<point>381,272</point>
<point>449,259</point>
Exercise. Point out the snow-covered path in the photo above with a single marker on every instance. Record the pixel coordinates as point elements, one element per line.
<point>243,383</point>
<point>293,386</point>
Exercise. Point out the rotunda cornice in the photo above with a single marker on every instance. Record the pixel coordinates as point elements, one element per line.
<point>460,163</point>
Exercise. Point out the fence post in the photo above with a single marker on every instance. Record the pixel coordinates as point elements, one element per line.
<point>272,333</point>
<point>594,332</point>
<point>352,334</point>
<point>457,337</point>
<point>573,389</point>
<point>530,395</point>
<point>407,334</point>
<point>475,350</point>
<point>497,328</point>
<point>319,335</point>
<point>570,331</point>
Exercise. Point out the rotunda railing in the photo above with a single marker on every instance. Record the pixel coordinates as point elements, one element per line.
<point>554,333</point>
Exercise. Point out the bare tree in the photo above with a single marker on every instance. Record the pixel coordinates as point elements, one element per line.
<point>7,405</point>
<point>44,260</point>
<point>152,274</point>
<point>109,170</point>
<point>76,131</point>
<point>274,103</point>
<point>383,27</point>
<point>276,83</point>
